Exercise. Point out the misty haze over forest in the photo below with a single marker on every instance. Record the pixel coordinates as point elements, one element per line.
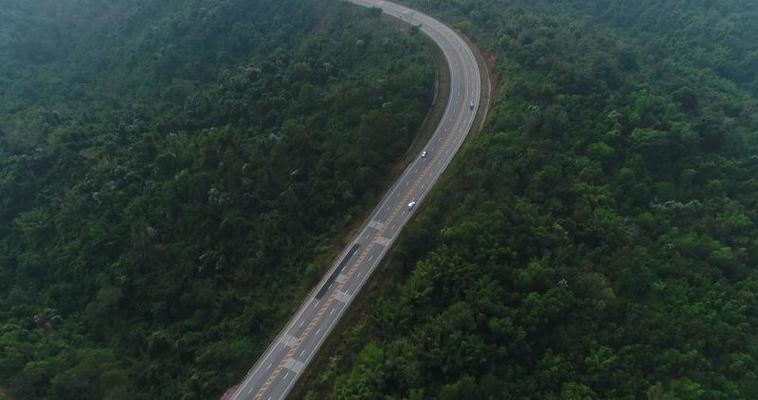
<point>177,176</point>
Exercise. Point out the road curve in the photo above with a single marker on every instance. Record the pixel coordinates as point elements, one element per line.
<point>277,370</point>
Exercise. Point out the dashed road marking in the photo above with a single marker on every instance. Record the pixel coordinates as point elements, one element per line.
<point>288,340</point>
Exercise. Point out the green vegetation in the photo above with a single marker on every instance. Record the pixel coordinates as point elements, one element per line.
<point>599,239</point>
<point>715,35</point>
<point>173,175</point>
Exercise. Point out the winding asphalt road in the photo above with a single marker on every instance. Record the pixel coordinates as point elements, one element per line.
<point>277,370</point>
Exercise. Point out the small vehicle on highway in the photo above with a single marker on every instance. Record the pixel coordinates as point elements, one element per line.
<point>471,105</point>
<point>423,154</point>
<point>411,205</point>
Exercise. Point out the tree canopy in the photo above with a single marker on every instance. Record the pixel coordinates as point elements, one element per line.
<point>174,175</point>
<point>598,239</point>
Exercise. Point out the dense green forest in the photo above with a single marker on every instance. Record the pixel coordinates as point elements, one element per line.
<point>174,176</point>
<point>599,238</point>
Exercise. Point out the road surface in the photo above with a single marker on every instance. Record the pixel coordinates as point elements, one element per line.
<point>277,370</point>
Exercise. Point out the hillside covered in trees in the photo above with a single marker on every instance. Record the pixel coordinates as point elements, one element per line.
<point>599,239</point>
<point>174,177</point>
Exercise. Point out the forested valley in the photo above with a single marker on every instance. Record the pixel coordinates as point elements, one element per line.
<point>598,239</point>
<point>176,175</point>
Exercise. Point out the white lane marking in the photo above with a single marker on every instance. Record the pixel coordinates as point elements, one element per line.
<point>371,257</point>
<point>251,390</point>
<point>361,273</point>
<point>316,303</point>
<point>302,323</point>
<point>269,366</point>
<point>286,375</point>
<point>331,312</point>
<point>318,331</point>
<point>301,353</point>
<point>392,228</point>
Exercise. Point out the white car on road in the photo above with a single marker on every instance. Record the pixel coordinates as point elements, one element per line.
<point>411,205</point>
